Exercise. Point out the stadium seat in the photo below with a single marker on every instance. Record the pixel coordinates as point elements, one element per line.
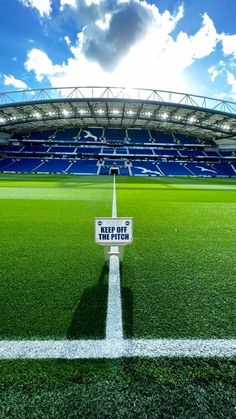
<point>173,169</point>
<point>202,169</point>
<point>161,138</point>
<point>91,134</point>
<point>88,150</point>
<point>58,149</point>
<point>145,168</point>
<point>169,154</point>
<point>5,163</point>
<point>114,135</point>
<point>24,165</point>
<point>166,152</point>
<point>138,136</point>
<point>54,166</point>
<point>140,151</point>
<point>83,166</point>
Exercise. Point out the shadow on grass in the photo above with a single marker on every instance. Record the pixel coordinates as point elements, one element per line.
<point>127,309</point>
<point>89,319</point>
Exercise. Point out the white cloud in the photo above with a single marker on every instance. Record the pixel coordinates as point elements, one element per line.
<point>43,6</point>
<point>39,62</point>
<point>89,2</point>
<point>138,67</point>
<point>12,81</point>
<point>112,28</point>
<point>64,3</point>
<point>187,49</point>
<point>217,70</point>
<point>214,73</point>
<point>228,44</point>
<point>204,41</point>
<point>67,40</point>
<point>156,59</point>
<point>232,82</point>
<point>225,67</point>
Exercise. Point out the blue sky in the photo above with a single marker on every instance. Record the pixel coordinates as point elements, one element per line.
<point>186,46</point>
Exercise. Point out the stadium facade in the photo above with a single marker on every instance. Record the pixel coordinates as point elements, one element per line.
<point>106,130</point>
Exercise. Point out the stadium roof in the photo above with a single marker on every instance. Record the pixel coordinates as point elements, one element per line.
<point>67,107</point>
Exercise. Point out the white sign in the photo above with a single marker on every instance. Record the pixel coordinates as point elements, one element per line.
<point>114,231</point>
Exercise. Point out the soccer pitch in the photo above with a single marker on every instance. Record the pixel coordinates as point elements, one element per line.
<point>181,269</point>
<point>178,277</point>
<point>178,281</point>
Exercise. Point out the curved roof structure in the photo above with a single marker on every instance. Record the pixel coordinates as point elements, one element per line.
<point>67,107</point>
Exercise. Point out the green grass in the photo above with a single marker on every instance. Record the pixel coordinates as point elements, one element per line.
<point>126,388</point>
<point>180,268</point>
<point>178,280</point>
<point>178,277</point>
<point>51,270</point>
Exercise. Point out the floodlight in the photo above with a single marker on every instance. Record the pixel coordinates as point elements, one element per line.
<point>37,115</point>
<point>164,115</point>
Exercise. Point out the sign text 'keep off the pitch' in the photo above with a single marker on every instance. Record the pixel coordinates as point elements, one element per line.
<point>113,231</point>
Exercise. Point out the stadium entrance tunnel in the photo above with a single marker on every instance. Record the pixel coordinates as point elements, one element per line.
<point>114,171</point>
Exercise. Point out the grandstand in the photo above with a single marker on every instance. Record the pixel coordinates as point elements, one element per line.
<point>104,130</point>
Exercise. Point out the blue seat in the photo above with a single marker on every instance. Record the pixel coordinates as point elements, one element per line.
<point>192,153</point>
<point>84,166</point>
<point>202,169</point>
<point>166,152</point>
<point>58,149</point>
<point>145,168</point>
<point>91,134</point>
<point>23,165</point>
<point>54,166</point>
<point>140,151</point>
<point>88,150</point>
<point>173,169</point>
<point>114,135</point>
<point>138,136</point>
<point>162,138</point>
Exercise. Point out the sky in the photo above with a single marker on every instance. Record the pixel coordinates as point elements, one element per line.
<point>185,46</point>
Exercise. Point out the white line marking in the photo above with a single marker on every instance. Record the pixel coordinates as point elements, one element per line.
<point>92,349</point>
<point>181,347</point>
<point>114,328</point>
<point>114,207</point>
<point>114,346</point>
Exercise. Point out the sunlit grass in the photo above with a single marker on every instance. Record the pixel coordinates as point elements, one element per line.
<point>180,267</point>
<point>178,277</point>
<point>178,280</point>
<point>49,262</point>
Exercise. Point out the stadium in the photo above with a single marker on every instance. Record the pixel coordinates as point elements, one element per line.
<point>103,131</point>
<point>152,335</point>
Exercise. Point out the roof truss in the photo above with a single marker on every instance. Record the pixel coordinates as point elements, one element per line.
<point>22,112</point>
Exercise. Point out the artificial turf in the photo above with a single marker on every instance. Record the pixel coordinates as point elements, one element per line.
<point>53,280</point>
<point>125,388</point>
<point>177,281</point>
<point>180,270</point>
<point>178,277</point>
